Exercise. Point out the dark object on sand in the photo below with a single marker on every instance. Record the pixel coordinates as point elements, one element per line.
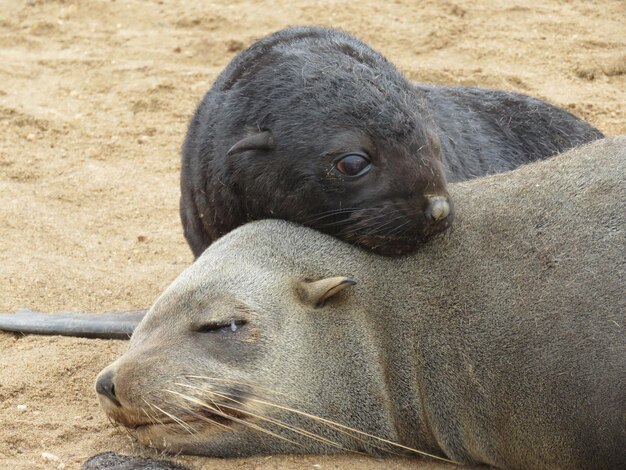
<point>114,325</point>
<point>113,461</point>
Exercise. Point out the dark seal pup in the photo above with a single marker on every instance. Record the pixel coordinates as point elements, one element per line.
<point>311,125</point>
<point>502,344</point>
<point>113,461</point>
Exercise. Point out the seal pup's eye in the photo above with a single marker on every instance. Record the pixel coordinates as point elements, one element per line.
<point>221,327</point>
<point>353,164</point>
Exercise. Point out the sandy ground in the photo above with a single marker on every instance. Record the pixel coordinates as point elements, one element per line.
<point>94,101</point>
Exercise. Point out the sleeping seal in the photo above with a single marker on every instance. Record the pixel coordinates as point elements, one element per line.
<point>311,125</point>
<point>502,343</point>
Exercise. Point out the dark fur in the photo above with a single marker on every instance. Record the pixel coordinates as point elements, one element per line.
<point>113,461</point>
<point>321,93</point>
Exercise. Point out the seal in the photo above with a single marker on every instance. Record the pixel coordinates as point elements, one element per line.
<point>113,461</point>
<point>501,344</point>
<point>313,126</point>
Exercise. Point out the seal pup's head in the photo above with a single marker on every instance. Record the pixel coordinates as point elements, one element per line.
<point>313,126</point>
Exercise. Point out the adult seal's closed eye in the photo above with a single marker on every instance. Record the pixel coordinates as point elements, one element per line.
<point>501,344</point>
<point>313,126</point>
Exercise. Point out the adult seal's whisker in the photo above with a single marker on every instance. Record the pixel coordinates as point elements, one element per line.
<point>177,420</point>
<point>295,429</point>
<point>304,432</point>
<point>173,392</point>
<point>191,412</point>
<point>347,428</point>
<point>206,419</point>
<point>233,418</point>
<point>149,416</point>
<point>151,406</point>
<point>337,426</point>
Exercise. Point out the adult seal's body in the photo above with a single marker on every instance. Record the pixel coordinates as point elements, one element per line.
<point>313,126</point>
<point>503,343</point>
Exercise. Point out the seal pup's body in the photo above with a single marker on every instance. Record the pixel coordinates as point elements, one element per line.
<point>271,136</point>
<point>502,343</point>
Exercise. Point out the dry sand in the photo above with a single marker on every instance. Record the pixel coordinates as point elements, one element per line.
<point>94,101</point>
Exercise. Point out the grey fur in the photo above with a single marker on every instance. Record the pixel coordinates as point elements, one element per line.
<point>501,343</point>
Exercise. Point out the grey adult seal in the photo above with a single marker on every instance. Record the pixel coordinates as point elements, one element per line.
<point>313,126</point>
<point>502,343</point>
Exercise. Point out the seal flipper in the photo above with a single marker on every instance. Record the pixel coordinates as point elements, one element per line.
<point>108,325</point>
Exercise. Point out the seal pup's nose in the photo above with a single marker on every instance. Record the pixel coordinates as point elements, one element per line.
<point>105,386</point>
<point>438,208</point>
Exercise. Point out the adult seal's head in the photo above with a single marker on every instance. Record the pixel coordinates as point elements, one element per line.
<point>508,350</point>
<point>313,126</point>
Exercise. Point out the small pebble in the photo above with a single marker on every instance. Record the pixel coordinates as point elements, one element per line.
<point>143,139</point>
<point>48,457</point>
<point>234,45</point>
<point>22,407</point>
<point>30,136</point>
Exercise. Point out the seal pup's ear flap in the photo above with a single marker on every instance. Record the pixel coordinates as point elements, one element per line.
<point>316,293</point>
<point>261,141</point>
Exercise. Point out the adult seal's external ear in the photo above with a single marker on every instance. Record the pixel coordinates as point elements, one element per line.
<point>316,293</point>
<point>261,141</point>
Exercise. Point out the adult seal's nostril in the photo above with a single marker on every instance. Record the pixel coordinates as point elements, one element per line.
<point>105,386</point>
<point>438,208</point>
